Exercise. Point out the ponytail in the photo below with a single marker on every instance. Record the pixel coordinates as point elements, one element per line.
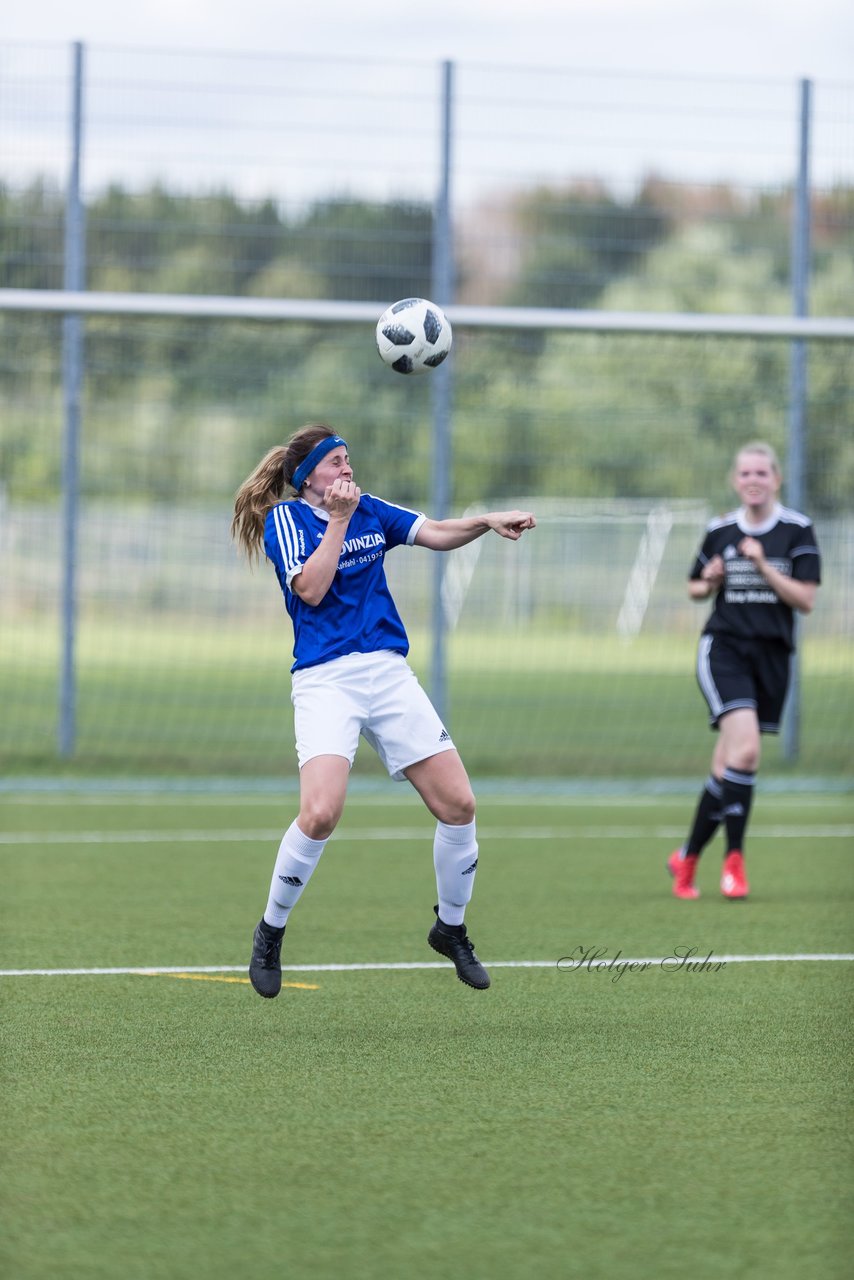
<point>259,492</point>
<point>268,485</point>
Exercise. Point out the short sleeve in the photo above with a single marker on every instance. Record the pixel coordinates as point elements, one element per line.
<point>805,556</point>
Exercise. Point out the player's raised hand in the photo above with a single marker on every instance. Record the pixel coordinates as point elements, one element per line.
<point>341,498</point>
<point>714,572</point>
<point>752,549</point>
<point>511,524</point>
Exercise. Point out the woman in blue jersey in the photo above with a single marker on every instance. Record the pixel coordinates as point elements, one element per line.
<point>760,563</point>
<point>351,677</point>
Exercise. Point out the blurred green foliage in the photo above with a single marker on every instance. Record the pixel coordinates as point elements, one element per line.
<point>183,407</point>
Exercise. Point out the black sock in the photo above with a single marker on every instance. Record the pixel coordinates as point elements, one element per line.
<point>707,818</point>
<point>737,798</point>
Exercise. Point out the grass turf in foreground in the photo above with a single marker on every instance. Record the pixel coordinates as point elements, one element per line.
<point>385,1123</point>
<point>661,1126</point>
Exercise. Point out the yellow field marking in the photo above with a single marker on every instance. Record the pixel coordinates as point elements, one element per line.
<point>214,977</point>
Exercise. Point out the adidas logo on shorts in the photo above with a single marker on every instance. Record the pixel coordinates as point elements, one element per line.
<point>444,736</point>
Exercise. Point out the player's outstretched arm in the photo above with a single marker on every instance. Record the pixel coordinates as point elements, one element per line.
<point>445,535</point>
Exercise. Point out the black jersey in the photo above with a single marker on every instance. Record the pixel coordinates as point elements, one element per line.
<point>746,606</point>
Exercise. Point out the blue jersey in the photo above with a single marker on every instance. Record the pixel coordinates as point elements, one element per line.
<point>357,614</point>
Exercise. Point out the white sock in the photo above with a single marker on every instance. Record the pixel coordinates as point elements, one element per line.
<point>297,858</point>
<point>455,861</point>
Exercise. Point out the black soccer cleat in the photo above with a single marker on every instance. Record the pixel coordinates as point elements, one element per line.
<point>451,940</point>
<point>265,969</point>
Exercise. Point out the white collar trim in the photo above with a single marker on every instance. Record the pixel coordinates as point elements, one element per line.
<point>318,511</point>
<point>753,529</point>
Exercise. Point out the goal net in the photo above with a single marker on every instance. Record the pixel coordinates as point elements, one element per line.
<point>569,654</point>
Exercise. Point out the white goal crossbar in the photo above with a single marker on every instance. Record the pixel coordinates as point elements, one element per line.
<point>211,306</point>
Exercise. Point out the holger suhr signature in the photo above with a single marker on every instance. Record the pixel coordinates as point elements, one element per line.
<point>595,960</point>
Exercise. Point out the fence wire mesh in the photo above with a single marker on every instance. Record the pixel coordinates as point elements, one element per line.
<point>571,654</point>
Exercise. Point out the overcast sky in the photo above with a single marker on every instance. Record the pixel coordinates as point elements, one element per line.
<point>755,38</point>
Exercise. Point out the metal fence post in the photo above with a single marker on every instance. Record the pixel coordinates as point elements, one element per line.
<point>795,482</point>
<point>442,285</point>
<point>72,379</point>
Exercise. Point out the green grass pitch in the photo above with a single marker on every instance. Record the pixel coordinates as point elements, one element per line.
<point>388,1122</point>
<point>162,700</point>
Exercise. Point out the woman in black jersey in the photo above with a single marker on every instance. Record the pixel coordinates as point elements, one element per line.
<point>760,563</point>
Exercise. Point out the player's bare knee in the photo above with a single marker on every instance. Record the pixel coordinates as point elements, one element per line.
<point>318,818</point>
<point>458,810</point>
<point>744,757</point>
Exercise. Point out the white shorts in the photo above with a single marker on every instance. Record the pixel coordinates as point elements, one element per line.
<point>376,695</point>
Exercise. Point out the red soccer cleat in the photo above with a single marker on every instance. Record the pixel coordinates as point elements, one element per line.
<point>733,880</point>
<point>683,871</point>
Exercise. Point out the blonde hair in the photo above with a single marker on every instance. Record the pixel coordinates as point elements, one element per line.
<point>268,484</point>
<point>766,450</point>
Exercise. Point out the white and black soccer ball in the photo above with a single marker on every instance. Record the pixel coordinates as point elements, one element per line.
<point>413,336</point>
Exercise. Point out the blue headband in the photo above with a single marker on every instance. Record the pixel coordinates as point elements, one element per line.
<point>317,454</point>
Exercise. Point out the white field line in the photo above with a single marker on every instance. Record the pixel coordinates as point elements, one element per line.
<point>394,797</point>
<point>245,835</point>
<point>426,964</point>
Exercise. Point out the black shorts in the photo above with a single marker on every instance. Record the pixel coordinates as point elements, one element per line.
<point>735,673</point>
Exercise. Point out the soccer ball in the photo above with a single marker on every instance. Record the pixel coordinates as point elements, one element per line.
<point>413,335</point>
